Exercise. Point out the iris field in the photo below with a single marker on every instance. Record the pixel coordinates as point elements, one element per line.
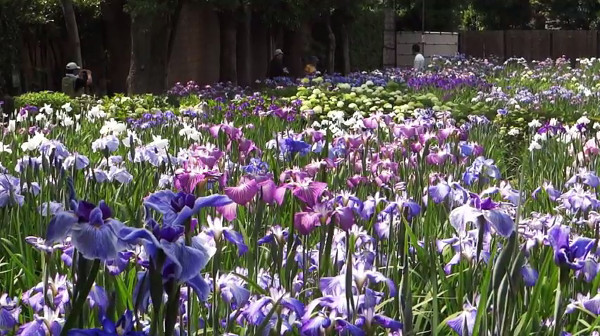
<point>462,200</point>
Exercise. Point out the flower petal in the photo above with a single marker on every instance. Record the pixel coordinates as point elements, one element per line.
<point>95,242</point>
<point>60,226</point>
<point>243,193</point>
<point>237,239</point>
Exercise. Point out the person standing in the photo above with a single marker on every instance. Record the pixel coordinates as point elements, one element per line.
<point>76,80</point>
<point>419,63</point>
<point>276,68</point>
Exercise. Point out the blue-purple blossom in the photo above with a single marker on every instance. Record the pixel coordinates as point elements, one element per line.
<point>481,170</point>
<point>10,191</point>
<point>93,231</point>
<point>567,254</point>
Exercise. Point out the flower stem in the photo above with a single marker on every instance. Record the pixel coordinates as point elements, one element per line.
<point>81,298</point>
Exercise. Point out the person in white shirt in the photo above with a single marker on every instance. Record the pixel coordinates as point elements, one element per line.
<point>419,64</point>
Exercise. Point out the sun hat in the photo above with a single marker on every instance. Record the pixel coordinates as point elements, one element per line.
<point>72,66</point>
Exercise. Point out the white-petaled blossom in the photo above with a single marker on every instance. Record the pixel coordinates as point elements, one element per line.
<point>535,123</point>
<point>67,107</point>
<point>113,127</point>
<point>96,112</point>
<point>158,142</point>
<point>190,132</point>
<point>514,131</point>
<point>583,120</point>
<point>5,148</point>
<point>47,109</point>
<point>534,146</point>
<point>34,142</point>
<point>131,136</point>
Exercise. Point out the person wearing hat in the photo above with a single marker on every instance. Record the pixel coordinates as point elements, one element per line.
<point>276,68</point>
<point>76,80</point>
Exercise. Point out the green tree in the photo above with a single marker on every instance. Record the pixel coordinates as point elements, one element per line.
<point>153,26</point>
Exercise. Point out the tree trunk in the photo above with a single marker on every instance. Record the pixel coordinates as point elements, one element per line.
<point>331,46</point>
<point>244,52</point>
<point>297,47</point>
<point>72,30</point>
<point>228,27</point>
<point>117,36</point>
<point>150,32</point>
<point>345,48</point>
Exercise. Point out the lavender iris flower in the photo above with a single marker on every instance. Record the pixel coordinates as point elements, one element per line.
<point>290,147</point>
<point>553,193</point>
<point>9,314</point>
<point>177,209</point>
<point>486,212</point>
<point>217,231</point>
<point>584,301</point>
<point>10,191</point>
<point>565,254</point>
<point>369,317</point>
<point>453,192</point>
<point>94,233</point>
<point>232,290</point>
<point>482,169</point>
<point>97,298</point>
<point>584,176</point>
<point>47,324</point>
<point>466,318</point>
<point>255,312</point>
<point>124,327</point>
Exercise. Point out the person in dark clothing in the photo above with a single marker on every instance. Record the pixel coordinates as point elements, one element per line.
<point>276,68</point>
<point>76,80</point>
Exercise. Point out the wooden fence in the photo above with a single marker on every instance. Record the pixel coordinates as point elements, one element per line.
<point>530,44</point>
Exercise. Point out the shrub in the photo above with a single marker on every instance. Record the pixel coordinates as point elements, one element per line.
<point>54,99</point>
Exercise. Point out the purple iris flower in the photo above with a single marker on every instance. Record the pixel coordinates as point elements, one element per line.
<point>290,147</point>
<point>9,314</point>
<point>584,301</point>
<point>482,169</point>
<point>369,317</point>
<point>466,318</point>
<point>232,290</point>
<point>275,234</point>
<point>94,233</point>
<point>490,213</point>
<point>584,176</point>
<point>408,206</point>
<point>453,192</point>
<point>58,290</point>
<point>50,208</point>
<point>256,167</point>
<point>10,191</point>
<point>60,151</point>
<point>177,209</point>
<point>217,231</point>
<point>47,324</point>
<point>529,274</point>
<point>98,298</point>
<point>255,312</point>
<point>565,254</point>
<point>124,327</point>
<point>553,193</point>
<point>578,199</point>
<point>109,143</point>
<point>362,274</point>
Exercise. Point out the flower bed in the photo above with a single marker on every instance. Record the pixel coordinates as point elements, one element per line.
<point>462,200</point>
